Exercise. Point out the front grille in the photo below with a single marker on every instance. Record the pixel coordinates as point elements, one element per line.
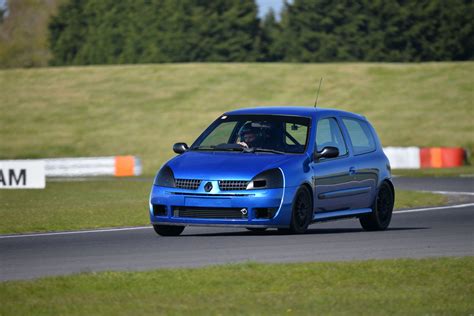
<point>210,212</point>
<point>188,184</point>
<point>230,185</point>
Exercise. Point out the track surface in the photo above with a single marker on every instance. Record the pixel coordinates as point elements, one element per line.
<point>441,232</point>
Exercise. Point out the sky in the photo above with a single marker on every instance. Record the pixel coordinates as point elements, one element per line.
<point>263,6</point>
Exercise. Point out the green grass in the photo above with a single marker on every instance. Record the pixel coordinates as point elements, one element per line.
<point>412,199</point>
<point>143,109</point>
<point>401,287</point>
<point>438,172</point>
<point>75,205</point>
<point>105,203</point>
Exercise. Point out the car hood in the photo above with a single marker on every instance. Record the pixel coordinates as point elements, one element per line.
<point>224,165</point>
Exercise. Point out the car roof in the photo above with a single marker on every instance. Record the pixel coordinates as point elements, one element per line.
<point>294,110</point>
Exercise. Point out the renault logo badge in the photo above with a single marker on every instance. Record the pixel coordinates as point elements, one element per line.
<point>208,187</point>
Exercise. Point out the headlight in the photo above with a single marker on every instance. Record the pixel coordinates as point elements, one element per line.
<point>165,178</point>
<point>269,179</point>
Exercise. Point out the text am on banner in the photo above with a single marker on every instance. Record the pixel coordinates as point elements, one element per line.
<point>22,174</point>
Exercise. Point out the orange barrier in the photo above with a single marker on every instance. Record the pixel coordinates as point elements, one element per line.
<point>124,166</point>
<point>441,157</point>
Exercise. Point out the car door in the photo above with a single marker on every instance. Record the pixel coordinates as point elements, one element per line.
<point>363,162</point>
<point>331,176</point>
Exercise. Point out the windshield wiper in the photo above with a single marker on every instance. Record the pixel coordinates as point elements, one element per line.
<point>232,147</point>
<point>203,148</point>
<point>263,150</point>
<point>236,147</point>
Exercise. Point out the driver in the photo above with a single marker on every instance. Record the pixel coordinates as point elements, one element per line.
<point>249,136</point>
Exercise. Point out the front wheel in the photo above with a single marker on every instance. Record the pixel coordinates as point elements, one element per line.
<point>302,211</point>
<point>167,230</point>
<point>382,210</point>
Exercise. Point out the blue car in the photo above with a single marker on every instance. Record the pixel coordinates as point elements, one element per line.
<point>275,167</point>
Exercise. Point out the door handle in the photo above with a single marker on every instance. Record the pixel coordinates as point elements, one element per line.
<point>352,171</point>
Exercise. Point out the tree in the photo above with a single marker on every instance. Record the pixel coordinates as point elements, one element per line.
<point>226,30</point>
<point>131,31</point>
<point>150,31</point>
<point>68,32</point>
<point>23,33</point>
<point>379,30</point>
<point>270,45</point>
<point>2,13</point>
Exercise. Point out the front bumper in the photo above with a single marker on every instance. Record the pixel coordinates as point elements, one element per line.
<point>175,203</point>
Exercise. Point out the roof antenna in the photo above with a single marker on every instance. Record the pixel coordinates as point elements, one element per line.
<point>317,95</point>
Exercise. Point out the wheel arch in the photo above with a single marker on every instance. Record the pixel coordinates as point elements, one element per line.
<point>390,184</point>
<point>310,190</point>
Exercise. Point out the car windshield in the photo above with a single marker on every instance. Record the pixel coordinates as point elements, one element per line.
<point>256,133</point>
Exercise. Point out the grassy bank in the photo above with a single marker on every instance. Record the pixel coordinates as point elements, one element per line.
<point>144,109</point>
<point>401,287</point>
<point>105,203</point>
<point>465,171</point>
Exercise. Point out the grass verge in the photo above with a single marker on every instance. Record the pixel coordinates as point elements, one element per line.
<point>143,109</point>
<point>375,287</point>
<point>467,171</point>
<point>107,203</point>
<point>75,205</point>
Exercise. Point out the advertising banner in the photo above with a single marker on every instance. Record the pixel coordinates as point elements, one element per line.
<point>22,174</point>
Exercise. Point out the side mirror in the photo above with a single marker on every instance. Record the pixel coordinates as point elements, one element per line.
<point>180,148</point>
<point>327,152</point>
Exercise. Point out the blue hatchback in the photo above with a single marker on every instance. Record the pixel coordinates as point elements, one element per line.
<point>275,167</point>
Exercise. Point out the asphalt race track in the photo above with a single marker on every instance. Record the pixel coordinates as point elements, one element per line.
<point>445,231</point>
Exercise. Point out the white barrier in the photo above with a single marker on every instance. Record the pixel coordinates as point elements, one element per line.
<point>403,157</point>
<point>119,166</point>
<point>82,167</point>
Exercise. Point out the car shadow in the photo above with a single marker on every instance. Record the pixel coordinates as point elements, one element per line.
<point>311,231</point>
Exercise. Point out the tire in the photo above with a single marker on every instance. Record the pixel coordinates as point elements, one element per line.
<point>382,210</point>
<point>256,229</point>
<point>302,212</point>
<point>168,230</point>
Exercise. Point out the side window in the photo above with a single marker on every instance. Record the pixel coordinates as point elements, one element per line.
<point>361,136</point>
<point>328,133</point>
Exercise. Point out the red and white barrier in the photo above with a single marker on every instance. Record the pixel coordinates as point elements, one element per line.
<point>425,157</point>
<point>442,157</point>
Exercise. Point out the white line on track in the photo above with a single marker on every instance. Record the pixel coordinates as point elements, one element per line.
<point>450,192</point>
<point>149,227</point>
<point>434,208</point>
<point>106,230</point>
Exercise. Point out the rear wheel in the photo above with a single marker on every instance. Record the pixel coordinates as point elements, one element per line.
<point>302,211</point>
<point>382,210</point>
<point>167,230</point>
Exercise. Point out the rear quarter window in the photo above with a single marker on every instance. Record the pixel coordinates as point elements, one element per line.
<point>361,136</point>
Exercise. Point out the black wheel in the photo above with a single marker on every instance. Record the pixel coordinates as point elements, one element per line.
<point>302,211</point>
<point>382,210</point>
<point>256,229</point>
<point>167,230</point>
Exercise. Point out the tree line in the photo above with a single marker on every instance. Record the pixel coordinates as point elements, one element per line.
<point>83,32</point>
